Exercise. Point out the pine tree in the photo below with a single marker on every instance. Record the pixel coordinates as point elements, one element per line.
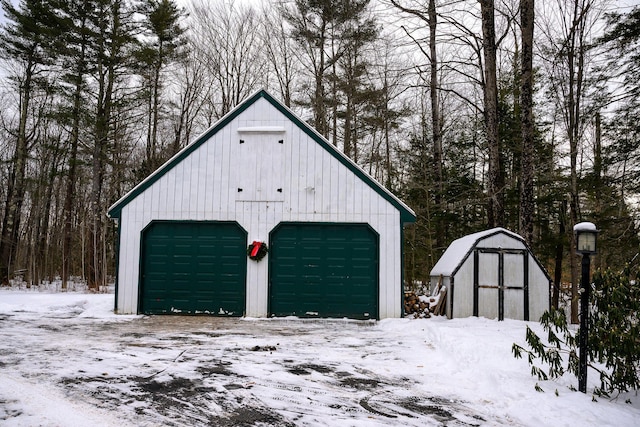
<point>622,42</point>
<point>165,44</point>
<point>113,39</point>
<point>350,80</point>
<point>326,30</point>
<point>74,53</point>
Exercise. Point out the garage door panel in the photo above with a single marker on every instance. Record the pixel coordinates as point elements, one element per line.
<point>319,270</point>
<point>194,267</point>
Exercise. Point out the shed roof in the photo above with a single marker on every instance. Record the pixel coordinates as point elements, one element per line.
<point>460,248</point>
<point>406,213</point>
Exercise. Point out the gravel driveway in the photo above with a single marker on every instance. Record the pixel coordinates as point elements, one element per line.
<point>187,371</point>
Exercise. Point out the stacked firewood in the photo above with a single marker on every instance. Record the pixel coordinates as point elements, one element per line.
<point>421,306</point>
<point>416,305</point>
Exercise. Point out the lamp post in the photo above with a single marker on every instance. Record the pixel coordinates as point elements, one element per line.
<point>586,239</point>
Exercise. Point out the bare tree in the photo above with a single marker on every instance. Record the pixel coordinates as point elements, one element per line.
<point>189,84</point>
<point>281,54</point>
<point>430,17</point>
<point>227,42</point>
<point>568,31</point>
<point>388,73</point>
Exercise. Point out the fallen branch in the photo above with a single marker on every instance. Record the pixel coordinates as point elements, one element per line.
<point>174,361</point>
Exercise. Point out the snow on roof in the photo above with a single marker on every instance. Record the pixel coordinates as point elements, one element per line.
<point>582,226</point>
<point>459,248</point>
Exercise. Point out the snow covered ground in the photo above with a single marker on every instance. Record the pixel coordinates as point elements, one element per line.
<point>67,360</point>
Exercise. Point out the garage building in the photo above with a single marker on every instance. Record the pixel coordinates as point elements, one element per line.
<point>334,235</point>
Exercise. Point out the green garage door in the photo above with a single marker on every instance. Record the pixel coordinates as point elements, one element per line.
<point>194,268</point>
<point>323,270</point>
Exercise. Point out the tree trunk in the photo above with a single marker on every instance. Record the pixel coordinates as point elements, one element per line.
<point>334,96</point>
<point>557,274</point>
<point>153,160</point>
<point>597,150</point>
<point>73,166</point>
<point>495,186</point>
<point>43,227</point>
<point>106,81</point>
<point>347,127</point>
<point>527,208</point>
<point>387,142</point>
<point>319,110</point>
<point>16,185</point>
<point>436,126</point>
<point>435,105</point>
<point>575,63</point>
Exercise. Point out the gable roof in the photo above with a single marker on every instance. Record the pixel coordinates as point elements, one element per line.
<point>460,248</point>
<point>406,213</point>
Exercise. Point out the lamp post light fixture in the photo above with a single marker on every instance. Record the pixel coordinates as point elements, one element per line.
<point>586,240</point>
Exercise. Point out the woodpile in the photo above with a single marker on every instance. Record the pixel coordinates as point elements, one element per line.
<point>421,306</point>
<point>418,307</point>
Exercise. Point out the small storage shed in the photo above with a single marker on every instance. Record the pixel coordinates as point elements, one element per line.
<point>492,274</point>
<point>334,234</point>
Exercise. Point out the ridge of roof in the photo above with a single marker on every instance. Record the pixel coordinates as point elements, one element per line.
<point>458,250</point>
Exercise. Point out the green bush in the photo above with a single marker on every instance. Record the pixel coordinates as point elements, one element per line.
<point>614,337</point>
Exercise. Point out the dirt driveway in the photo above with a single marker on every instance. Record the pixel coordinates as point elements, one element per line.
<point>187,371</point>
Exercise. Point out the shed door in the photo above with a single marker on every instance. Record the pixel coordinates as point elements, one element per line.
<point>323,270</point>
<point>193,268</point>
<point>501,284</point>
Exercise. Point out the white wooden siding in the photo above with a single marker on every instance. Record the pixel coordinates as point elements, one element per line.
<point>463,289</point>
<point>317,188</point>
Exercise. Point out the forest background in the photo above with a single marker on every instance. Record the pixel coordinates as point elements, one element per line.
<point>476,113</point>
